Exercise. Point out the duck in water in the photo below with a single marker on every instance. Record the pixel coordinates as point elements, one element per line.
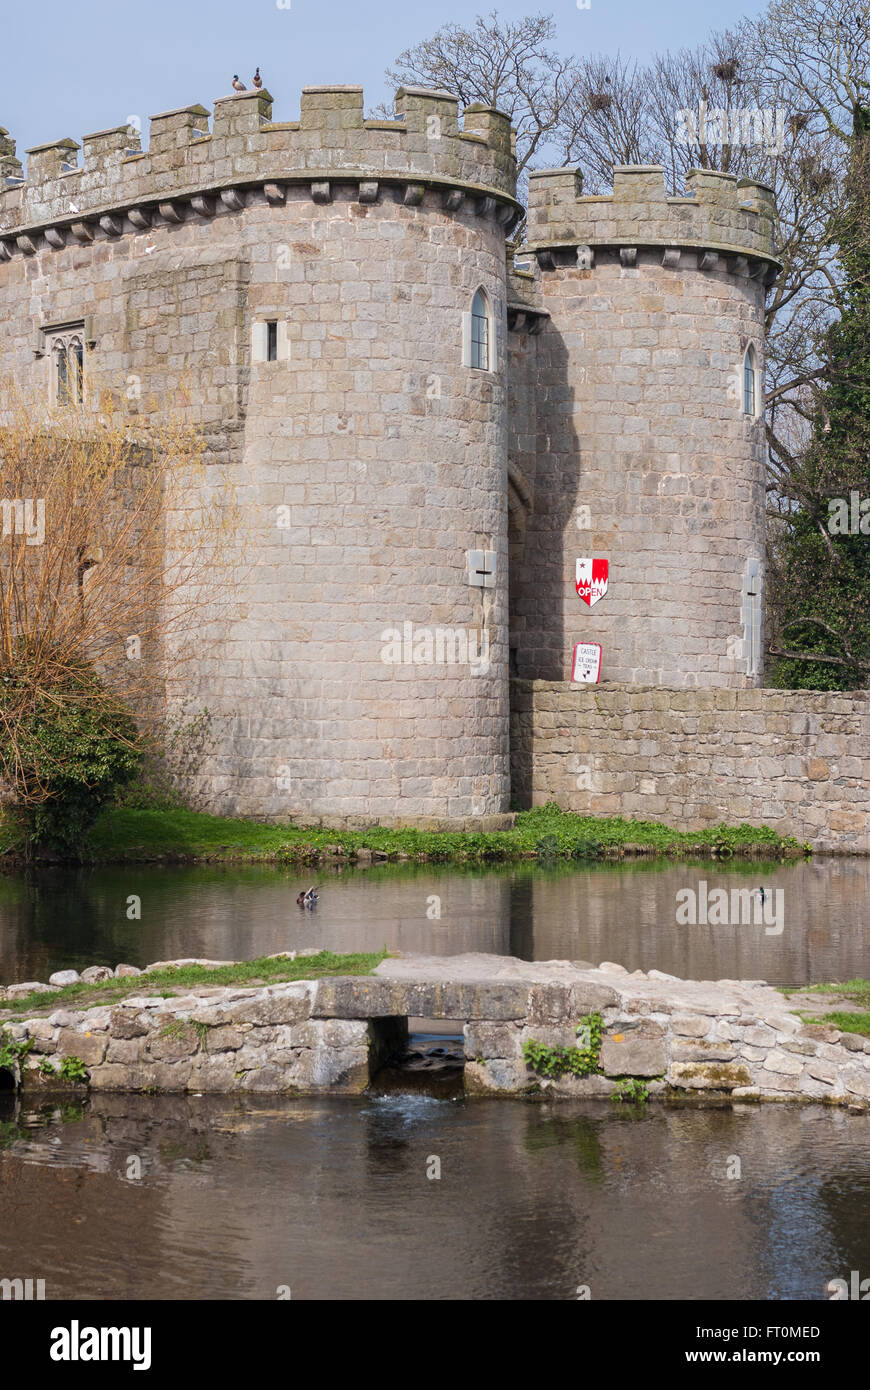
<point>307,899</point>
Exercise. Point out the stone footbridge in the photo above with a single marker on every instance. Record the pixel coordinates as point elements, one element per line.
<point>731,1038</point>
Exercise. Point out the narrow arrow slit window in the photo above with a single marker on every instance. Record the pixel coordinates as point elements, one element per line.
<point>749,383</point>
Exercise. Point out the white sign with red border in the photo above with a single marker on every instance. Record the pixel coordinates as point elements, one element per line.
<point>591,579</point>
<point>586,666</point>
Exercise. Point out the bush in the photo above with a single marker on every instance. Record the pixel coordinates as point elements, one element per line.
<point>67,745</point>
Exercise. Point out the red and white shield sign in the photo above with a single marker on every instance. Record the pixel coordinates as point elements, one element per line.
<point>591,580</point>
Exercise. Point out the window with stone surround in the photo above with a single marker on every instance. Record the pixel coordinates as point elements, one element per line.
<point>269,341</point>
<point>750,383</point>
<point>65,349</point>
<point>478,337</point>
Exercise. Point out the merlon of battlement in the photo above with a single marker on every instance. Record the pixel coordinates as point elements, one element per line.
<point>192,148</point>
<point>717,212</point>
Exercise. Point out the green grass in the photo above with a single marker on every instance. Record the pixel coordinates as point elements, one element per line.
<point>847,1023</point>
<point>123,834</point>
<point>855,991</point>
<point>264,970</point>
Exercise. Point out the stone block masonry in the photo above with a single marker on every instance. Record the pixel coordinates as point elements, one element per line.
<point>365,459</point>
<point>640,449</point>
<point>732,1038</point>
<point>308,287</point>
<point>795,760</point>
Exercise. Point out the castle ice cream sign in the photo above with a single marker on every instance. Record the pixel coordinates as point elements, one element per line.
<point>591,580</point>
<point>586,665</point>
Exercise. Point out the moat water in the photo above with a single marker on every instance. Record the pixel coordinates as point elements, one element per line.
<point>207,1198</point>
<point>626,913</point>
<point>212,1197</point>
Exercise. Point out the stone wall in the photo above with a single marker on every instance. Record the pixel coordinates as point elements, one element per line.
<point>791,759</point>
<point>680,1037</point>
<point>360,467</point>
<point>644,455</point>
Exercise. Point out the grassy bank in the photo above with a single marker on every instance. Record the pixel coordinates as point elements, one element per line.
<point>835,1003</point>
<point>267,970</point>
<point>173,835</point>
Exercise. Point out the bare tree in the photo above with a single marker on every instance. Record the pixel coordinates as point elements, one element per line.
<point>509,66</point>
<point>109,556</point>
<point>604,120</point>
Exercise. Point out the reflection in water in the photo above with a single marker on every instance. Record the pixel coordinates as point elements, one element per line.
<point>332,1198</point>
<point>590,912</point>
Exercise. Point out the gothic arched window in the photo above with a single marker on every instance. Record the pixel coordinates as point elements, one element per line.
<point>69,369</point>
<point>750,388</point>
<point>480,332</point>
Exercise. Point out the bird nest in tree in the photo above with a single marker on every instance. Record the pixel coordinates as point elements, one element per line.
<point>815,175</point>
<point>727,70</point>
<point>600,101</point>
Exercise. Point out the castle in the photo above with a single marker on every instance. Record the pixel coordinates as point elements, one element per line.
<point>428,436</point>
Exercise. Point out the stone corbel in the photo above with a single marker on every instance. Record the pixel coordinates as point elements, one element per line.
<point>55,237</point>
<point>170,212</point>
<point>546,260</point>
<point>671,257</point>
<point>321,191</point>
<point>368,191</point>
<point>709,260</point>
<point>486,207</point>
<point>453,200</point>
<point>628,256</point>
<point>5,251</point>
<point>203,205</point>
<point>585,258</point>
<point>414,194</point>
<point>233,198</point>
<point>26,244</point>
<point>140,217</point>
<point>82,232</point>
<point>275,192</point>
<point>112,226</point>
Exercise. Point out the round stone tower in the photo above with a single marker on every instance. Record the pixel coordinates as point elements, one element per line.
<point>331,292</point>
<point>650,431</point>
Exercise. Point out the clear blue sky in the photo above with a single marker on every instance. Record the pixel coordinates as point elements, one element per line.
<point>75,66</point>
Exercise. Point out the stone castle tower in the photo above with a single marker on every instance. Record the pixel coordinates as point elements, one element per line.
<point>423,439</point>
<point>643,450</point>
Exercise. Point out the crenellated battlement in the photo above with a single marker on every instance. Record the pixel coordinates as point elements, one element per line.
<point>726,220</point>
<point>196,159</point>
